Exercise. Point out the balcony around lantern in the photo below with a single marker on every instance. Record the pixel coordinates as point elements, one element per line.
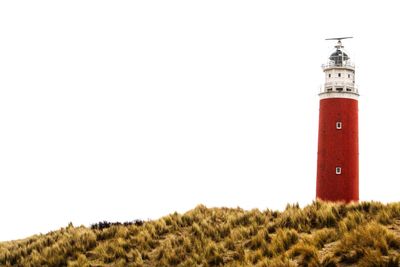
<point>331,65</point>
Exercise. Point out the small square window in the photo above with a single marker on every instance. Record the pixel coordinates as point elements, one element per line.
<point>338,170</point>
<point>339,75</point>
<point>329,75</point>
<point>339,125</point>
<point>348,75</point>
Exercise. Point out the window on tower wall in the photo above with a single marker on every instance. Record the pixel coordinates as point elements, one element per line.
<point>329,75</point>
<point>338,125</point>
<point>339,75</point>
<point>338,170</point>
<point>348,75</point>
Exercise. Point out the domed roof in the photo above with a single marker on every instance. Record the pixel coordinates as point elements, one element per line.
<point>339,57</point>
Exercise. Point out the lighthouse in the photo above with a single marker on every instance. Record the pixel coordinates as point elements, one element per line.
<point>337,164</point>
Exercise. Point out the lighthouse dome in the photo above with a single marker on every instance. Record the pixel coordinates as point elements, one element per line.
<point>339,57</point>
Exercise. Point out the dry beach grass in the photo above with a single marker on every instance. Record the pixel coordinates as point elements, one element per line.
<point>320,234</point>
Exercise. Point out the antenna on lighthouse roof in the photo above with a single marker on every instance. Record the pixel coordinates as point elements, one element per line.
<point>339,39</point>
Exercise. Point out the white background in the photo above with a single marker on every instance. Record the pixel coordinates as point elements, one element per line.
<point>122,110</point>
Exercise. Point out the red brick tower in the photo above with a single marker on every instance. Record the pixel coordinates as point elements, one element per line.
<point>337,165</point>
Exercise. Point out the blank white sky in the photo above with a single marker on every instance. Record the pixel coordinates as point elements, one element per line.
<point>136,109</point>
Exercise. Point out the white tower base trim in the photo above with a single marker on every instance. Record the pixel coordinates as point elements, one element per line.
<point>338,95</point>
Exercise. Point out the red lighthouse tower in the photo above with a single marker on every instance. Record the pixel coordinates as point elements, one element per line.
<point>337,165</point>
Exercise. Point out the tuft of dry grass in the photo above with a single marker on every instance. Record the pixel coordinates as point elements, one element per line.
<point>320,234</point>
<point>306,254</point>
<point>367,244</point>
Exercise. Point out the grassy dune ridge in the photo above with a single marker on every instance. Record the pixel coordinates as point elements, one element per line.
<point>320,234</point>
